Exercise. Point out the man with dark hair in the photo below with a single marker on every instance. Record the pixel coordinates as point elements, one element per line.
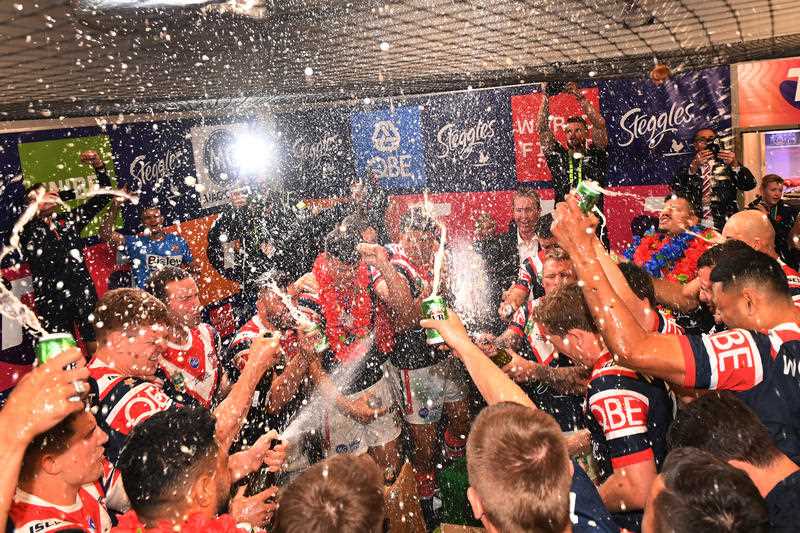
<point>189,365</point>
<point>59,486</point>
<point>343,494</point>
<point>132,331</point>
<point>628,413</point>
<point>577,161</point>
<point>151,251</point>
<point>722,425</point>
<point>284,388</point>
<point>522,479</point>
<point>64,293</point>
<point>359,314</point>
<point>426,379</point>
<point>713,179</point>
<point>758,359</point>
<point>175,470</point>
<point>697,492</point>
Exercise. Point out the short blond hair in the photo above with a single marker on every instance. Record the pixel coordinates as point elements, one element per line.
<point>518,465</point>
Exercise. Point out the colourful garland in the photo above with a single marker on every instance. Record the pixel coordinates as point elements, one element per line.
<point>334,304</point>
<point>675,258</point>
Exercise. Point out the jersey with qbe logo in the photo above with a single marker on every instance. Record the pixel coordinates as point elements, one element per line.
<point>31,514</point>
<point>193,375</point>
<point>762,368</point>
<point>122,402</point>
<point>629,415</point>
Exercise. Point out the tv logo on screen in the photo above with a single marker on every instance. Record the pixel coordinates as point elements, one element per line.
<point>790,89</point>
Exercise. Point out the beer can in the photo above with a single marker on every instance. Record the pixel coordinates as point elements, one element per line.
<point>587,193</point>
<point>321,345</point>
<point>501,357</point>
<point>51,345</point>
<point>434,308</point>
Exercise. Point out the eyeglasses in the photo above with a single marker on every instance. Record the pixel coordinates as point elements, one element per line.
<point>705,139</point>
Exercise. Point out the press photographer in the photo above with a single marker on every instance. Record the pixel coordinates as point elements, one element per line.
<point>712,179</point>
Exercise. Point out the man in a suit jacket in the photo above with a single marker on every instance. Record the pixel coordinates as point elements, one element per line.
<point>505,253</point>
<point>712,180</point>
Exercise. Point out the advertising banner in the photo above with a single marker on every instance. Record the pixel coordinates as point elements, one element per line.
<point>530,161</point>
<point>57,163</point>
<point>233,156</point>
<point>769,93</point>
<point>316,152</point>
<point>651,127</point>
<point>469,144</point>
<point>154,161</point>
<point>388,144</point>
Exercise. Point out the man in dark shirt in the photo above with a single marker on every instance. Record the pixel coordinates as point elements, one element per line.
<point>712,180</point>
<point>579,160</point>
<point>51,244</point>
<point>782,216</point>
<point>722,425</point>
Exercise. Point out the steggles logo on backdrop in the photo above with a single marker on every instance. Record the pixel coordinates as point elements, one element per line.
<point>461,143</point>
<point>654,128</point>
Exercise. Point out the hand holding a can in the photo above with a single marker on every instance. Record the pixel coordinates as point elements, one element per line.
<point>46,396</point>
<point>450,328</point>
<point>574,229</point>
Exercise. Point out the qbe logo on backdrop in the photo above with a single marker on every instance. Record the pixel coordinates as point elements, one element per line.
<point>388,143</point>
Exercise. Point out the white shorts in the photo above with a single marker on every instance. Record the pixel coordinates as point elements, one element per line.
<point>345,435</point>
<point>422,392</point>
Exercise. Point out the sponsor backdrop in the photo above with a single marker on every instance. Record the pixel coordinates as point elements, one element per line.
<point>769,93</point>
<point>469,149</point>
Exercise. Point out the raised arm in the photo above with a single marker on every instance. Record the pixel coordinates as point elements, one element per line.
<point>640,310</point>
<point>107,232</point>
<point>682,298</point>
<point>231,412</point>
<point>392,288</point>
<point>599,133</point>
<point>546,138</point>
<point>651,353</point>
<point>494,385</point>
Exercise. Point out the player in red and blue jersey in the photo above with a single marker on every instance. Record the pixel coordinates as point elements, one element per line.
<point>189,365</point>
<point>628,413</point>
<point>758,358</point>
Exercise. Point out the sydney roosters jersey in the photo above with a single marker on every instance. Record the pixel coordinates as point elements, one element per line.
<point>664,324</point>
<point>31,514</point>
<point>522,324</point>
<point>629,415</point>
<point>193,375</point>
<point>762,368</point>
<point>529,275</point>
<point>122,402</point>
<point>793,277</point>
<point>411,351</point>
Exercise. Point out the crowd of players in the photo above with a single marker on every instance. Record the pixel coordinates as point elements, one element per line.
<point>625,402</point>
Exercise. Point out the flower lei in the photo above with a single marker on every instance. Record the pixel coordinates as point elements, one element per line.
<point>340,337</point>
<point>673,258</point>
<point>129,523</point>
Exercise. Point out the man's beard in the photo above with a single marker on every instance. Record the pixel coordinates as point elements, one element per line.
<point>224,504</point>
